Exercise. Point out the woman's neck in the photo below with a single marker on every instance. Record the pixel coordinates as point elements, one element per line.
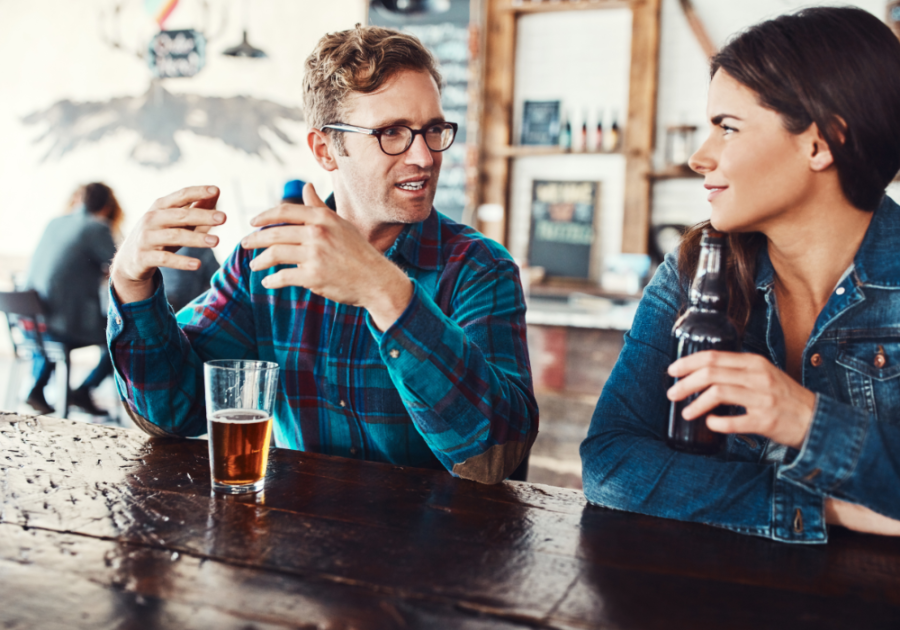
<point>812,249</point>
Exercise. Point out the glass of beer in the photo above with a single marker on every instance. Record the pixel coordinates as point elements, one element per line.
<point>240,398</point>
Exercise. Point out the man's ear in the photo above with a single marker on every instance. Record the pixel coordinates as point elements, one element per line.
<point>322,149</point>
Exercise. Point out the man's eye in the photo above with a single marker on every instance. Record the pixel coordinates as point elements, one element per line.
<point>391,132</point>
<point>435,129</point>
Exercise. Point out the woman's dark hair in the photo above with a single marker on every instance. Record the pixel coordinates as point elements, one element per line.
<point>838,68</point>
<point>95,197</point>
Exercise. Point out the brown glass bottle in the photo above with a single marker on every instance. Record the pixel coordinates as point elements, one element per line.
<point>704,326</point>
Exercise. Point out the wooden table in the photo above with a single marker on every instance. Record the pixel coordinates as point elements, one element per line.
<point>109,528</point>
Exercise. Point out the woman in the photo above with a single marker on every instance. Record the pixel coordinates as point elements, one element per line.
<point>804,138</point>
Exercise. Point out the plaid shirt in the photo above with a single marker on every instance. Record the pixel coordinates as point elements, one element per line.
<point>447,385</point>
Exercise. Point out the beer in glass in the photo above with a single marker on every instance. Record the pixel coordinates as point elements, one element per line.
<point>240,397</point>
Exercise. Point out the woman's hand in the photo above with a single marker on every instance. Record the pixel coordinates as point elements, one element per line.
<point>777,407</point>
<point>859,518</point>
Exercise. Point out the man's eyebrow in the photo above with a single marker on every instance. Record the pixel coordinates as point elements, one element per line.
<point>407,122</point>
<point>718,118</point>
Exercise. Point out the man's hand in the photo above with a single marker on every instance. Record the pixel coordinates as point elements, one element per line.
<point>332,258</point>
<point>777,406</point>
<point>182,219</point>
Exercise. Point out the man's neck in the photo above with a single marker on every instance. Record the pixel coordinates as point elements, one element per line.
<point>379,235</point>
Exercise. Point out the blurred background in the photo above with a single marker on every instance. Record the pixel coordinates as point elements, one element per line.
<point>577,118</point>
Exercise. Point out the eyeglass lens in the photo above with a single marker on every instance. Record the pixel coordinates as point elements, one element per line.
<point>397,139</point>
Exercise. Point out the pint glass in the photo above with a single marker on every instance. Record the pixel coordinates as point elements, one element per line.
<point>240,398</point>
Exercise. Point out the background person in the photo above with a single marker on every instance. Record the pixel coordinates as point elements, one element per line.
<point>400,333</point>
<point>804,138</point>
<point>67,269</point>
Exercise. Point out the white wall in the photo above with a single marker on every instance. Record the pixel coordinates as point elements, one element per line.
<point>684,78</point>
<point>54,51</point>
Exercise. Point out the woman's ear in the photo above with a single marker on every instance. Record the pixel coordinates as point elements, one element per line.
<point>322,149</point>
<point>821,156</point>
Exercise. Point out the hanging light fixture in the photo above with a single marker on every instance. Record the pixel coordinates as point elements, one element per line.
<point>245,48</point>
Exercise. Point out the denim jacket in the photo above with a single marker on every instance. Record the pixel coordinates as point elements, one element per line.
<point>851,452</point>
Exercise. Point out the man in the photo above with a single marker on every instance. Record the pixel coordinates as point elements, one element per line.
<point>67,270</point>
<point>400,334</point>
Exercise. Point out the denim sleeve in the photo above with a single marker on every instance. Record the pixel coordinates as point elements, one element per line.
<point>465,378</point>
<point>849,455</point>
<point>158,360</point>
<point>627,465</point>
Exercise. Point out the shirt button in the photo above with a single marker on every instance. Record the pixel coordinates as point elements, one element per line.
<point>343,403</point>
<point>840,291</point>
<point>118,320</point>
<point>816,360</point>
<point>354,451</point>
<point>394,353</point>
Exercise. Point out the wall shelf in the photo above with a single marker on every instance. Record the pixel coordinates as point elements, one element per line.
<point>532,150</point>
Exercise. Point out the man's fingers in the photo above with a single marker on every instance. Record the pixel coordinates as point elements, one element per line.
<point>287,234</point>
<point>292,277</point>
<point>175,238</point>
<point>161,258</point>
<point>187,196</point>
<point>278,255</point>
<point>311,197</point>
<point>185,217</point>
<point>209,203</point>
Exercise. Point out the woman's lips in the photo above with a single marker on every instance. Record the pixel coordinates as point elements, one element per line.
<point>714,191</point>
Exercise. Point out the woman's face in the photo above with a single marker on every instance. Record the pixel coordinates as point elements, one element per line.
<point>755,170</point>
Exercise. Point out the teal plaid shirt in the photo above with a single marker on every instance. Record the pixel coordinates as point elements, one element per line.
<point>447,385</point>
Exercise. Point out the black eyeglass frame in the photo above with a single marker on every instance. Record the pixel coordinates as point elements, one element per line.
<point>380,130</point>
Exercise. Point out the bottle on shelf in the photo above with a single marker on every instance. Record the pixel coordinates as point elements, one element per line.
<point>704,326</point>
<point>612,137</point>
<point>565,136</point>
<point>598,134</point>
<point>583,144</point>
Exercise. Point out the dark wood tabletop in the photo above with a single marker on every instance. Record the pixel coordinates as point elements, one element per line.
<point>108,528</point>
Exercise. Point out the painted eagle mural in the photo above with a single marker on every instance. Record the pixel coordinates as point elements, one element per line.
<point>156,116</point>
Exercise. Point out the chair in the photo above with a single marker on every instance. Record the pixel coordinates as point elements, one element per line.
<point>25,319</point>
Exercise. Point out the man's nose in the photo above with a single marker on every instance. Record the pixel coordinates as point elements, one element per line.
<point>418,153</point>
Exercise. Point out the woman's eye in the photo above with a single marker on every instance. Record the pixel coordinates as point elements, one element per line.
<point>727,130</point>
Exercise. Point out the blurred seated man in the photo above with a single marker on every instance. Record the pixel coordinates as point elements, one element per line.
<point>67,269</point>
<point>400,334</point>
<point>183,285</point>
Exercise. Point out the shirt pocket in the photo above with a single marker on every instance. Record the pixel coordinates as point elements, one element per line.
<point>872,372</point>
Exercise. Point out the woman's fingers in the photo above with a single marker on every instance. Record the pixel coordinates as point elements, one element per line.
<point>728,395</point>
<point>715,358</point>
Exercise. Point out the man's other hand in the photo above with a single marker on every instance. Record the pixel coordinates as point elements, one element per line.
<point>182,219</point>
<point>329,256</point>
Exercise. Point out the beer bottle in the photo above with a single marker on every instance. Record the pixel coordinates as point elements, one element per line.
<point>704,326</point>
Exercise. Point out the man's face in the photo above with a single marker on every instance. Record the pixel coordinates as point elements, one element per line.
<point>390,189</point>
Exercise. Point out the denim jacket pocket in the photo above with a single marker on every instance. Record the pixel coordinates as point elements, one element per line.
<point>872,370</point>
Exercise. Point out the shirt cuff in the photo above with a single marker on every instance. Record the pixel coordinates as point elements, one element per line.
<point>831,449</point>
<point>137,320</point>
<point>798,515</point>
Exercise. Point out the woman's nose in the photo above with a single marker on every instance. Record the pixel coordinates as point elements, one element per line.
<point>703,161</point>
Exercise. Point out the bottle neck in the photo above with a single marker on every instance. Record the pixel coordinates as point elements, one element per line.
<point>710,289</point>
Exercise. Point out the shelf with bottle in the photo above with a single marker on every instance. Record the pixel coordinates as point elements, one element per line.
<point>526,150</point>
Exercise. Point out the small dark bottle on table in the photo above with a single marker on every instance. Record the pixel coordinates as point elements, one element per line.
<point>704,326</point>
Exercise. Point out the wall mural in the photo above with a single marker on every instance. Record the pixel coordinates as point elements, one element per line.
<point>158,114</point>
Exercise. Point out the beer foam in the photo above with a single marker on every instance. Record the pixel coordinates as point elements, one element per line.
<point>239,416</point>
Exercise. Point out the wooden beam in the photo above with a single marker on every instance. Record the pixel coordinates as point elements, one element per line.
<point>542,6</point>
<point>640,128</point>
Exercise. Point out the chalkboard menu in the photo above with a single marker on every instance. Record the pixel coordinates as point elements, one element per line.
<point>562,228</point>
<point>179,53</point>
<point>446,35</point>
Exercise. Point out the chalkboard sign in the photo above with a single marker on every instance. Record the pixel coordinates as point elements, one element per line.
<point>179,53</point>
<point>540,122</point>
<point>443,27</point>
<point>563,216</point>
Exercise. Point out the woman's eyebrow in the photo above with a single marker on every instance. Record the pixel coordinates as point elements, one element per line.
<point>718,118</point>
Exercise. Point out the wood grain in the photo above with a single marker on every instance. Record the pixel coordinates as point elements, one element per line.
<point>105,527</point>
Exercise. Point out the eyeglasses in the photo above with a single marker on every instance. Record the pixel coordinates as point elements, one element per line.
<point>396,139</point>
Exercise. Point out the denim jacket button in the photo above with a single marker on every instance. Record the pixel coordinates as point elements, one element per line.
<point>816,360</point>
<point>880,358</point>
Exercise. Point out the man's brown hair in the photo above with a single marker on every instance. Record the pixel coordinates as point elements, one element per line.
<point>360,59</point>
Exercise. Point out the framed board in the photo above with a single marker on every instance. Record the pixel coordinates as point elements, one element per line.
<point>564,228</point>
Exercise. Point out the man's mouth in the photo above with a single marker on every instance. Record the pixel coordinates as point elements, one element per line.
<point>418,184</point>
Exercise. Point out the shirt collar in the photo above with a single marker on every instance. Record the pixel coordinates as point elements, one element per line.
<point>876,262</point>
<point>419,244</point>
